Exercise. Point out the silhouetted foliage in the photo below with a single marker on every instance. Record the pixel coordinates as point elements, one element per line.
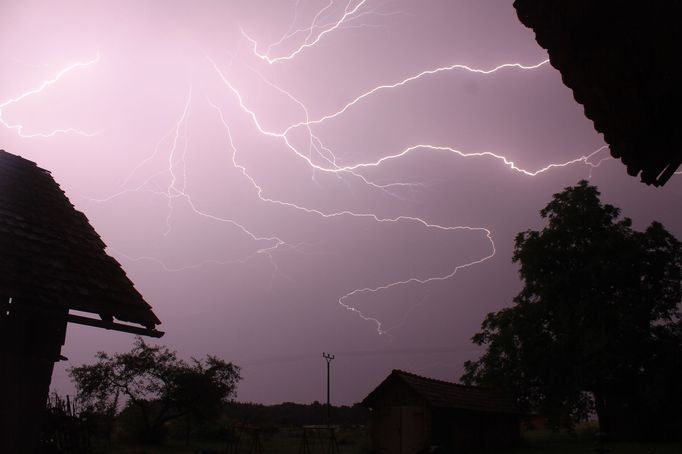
<point>597,324</point>
<point>157,386</point>
<point>66,428</point>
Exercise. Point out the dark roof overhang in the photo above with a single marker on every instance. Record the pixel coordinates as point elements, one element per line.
<point>50,256</point>
<point>620,60</point>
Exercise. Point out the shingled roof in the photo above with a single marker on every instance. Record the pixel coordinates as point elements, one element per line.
<point>621,61</point>
<point>438,393</point>
<point>51,255</point>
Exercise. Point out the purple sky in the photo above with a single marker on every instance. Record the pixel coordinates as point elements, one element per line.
<point>250,209</point>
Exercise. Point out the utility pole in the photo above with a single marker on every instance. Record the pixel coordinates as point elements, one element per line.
<point>329,359</point>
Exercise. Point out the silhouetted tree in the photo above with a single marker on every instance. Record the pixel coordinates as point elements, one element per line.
<point>597,324</point>
<point>158,385</point>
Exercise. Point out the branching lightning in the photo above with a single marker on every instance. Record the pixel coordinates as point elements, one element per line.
<point>19,128</point>
<point>334,168</point>
<point>411,79</point>
<point>308,123</point>
<point>315,144</point>
<point>310,30</point>
<point>425,147</point>
<point>174,191</point>
<point>347,14</point>
<point>316,155</point>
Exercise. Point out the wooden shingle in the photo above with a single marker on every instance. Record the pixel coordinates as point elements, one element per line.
<point>51,256</point>
<point>620,60</point>
<point>443,394</point>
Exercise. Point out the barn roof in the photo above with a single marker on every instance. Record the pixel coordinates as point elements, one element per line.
<point>619,58</point>
<point>438,393</point>
<point>51,255</point>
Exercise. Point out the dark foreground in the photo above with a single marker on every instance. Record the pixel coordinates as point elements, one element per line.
<point>355,441</point>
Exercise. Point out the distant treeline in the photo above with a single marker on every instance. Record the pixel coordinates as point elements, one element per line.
<point>293,414</point>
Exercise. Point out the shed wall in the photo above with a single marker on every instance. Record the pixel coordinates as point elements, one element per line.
<point>401,429</point>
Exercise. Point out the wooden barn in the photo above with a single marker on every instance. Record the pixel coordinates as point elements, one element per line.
<point>413,414</point>
<point>51,262</point>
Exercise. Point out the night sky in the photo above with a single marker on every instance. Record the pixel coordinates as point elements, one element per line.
<point>283,178</point>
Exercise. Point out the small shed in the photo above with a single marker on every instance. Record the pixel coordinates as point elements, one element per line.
<point>52,262</point>
<point>412,414</point>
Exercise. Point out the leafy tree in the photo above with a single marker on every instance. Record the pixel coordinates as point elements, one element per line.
<point>597,324</point>
<point>157,384</point>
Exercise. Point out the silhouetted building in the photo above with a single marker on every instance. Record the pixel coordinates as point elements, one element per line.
<point>410,413</point>
<point>51,261</point>
<point>619,58</point>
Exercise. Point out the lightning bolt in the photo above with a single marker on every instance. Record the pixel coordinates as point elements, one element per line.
<point>291,32</point>
<point>413,78</point>
<point>308,123</point>
<point>333,167</point>
<point>415,148</point>
<point>319,158</point>
<point>174,192</point>
<point>317,155</point>
<point>375,218</point>
<point>20,128</point>
<point>326,154</point>
<point>347,13</point>
<point>415,280</point>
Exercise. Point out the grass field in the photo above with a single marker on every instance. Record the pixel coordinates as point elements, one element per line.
<point>284,441</point>
<point>545,441</point>
<point>355,441</point>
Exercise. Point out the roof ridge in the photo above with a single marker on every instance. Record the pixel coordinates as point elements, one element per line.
<point>445,382</point>
<point>16,156</point>
<point>441,393</point>
<point>20,159</point>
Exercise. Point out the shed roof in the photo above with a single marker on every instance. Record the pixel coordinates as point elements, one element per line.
<point>619,58</point>
<point>438,393</point>
<point>51,255</point>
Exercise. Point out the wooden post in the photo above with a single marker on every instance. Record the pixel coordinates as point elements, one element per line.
<point>31,338</point>
<point>329,359</point>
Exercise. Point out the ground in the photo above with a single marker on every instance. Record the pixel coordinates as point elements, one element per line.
<point>354,441</point>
